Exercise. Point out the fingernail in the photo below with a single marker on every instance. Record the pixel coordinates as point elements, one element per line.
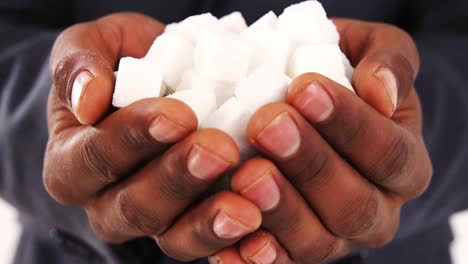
<point>264,192</point>
<point>165,130</point>
<point>228,228</point>
<point>314,102</point>
<point>266,255</point>
<point>214,260</point>
<point>281,137</point>
<point>205,165</point>
<point>79,85</point>
<point>389,82</point>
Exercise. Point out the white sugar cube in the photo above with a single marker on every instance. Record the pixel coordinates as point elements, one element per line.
<point>136,79</point>
<point>323,59</point>
<point>232,117</point>
<point>312,9</point>
<point>306,23</point>
<point>270,47</point>
<point>233,22</point>
<point>193,81</point>
<point>349,69</point>
<point>222,57</point>
<point>268,21</point>
<point>189,81</point>
<point>202,104</point>
<point>193,26</point>
<point>265,85</point>
<point>173,28</point>
<point>173,54</point>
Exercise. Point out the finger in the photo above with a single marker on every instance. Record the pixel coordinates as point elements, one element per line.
<point>148,202</point>
<point>84,58</point>
<point>262,247</point>
<point>287,215</point>
<point>383,150</point>
<point>361,212</point>
<point>213,225</point>
<point>229,255</point>
<point>94,157</point>
<point>386,61</point>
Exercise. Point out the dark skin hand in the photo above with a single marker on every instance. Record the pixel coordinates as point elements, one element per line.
<point>336,181</point>
<point>341,166</point>
<point>137,171</point>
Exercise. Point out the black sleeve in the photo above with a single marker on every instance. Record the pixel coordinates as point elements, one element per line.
<point>440,29</point>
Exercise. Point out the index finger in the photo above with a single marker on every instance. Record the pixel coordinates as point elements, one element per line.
<point>386,61</point>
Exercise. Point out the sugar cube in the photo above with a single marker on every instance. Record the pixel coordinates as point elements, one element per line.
<point>193,81</point>
<point>189,81</point>
<point>225,71</point>
<point>323,59</point>
<point>306,23</point>
<point>136,79</point>
<point>311,9</point>
<point>202,103</point>
<point>349,69</point>
<point>173,54</point>
<point>233,22</point>
<point>265,85</point>
<point>222,57</point>
<point>232,117</point>
<point>173,28</point>
<point>193,26</point>
<point>268,21</point>
<point>270,47</point>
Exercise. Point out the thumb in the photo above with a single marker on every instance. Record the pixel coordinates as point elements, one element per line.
<point>386,59</point>
<point>85,55</point>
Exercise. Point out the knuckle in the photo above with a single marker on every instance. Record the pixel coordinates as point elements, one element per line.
<point>176,181</point>
<point>285,223</point>
<point>384,238</point>
<point>102,233</point>
<point>386,235</point>
<point>352,128</point>
<point>422,174</point>
<point>163,244</point>
<point>55,189</point>
<point>392,160</point>
<point>173,188</point>
<point>359,216</point>
<point>314,172</point>
<point>54,186</point>
<point>99,230</point>
<point>206,237</point>
<point>321,251</point>
<point>169,250</point>
<point>426,177</point>
<point>136,218</point>
<point>134,139</point>
<point>95,156</point>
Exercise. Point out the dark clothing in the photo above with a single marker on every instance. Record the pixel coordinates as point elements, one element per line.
<point>58,234</point>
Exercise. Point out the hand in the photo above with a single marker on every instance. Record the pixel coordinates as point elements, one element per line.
<point>343,165</point>
<point>136,171</point>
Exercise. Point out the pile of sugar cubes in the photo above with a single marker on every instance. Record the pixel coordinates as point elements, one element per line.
<point>225,70</point>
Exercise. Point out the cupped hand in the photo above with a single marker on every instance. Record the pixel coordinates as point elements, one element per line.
<point>140,170</point>
<point>341,165</point>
